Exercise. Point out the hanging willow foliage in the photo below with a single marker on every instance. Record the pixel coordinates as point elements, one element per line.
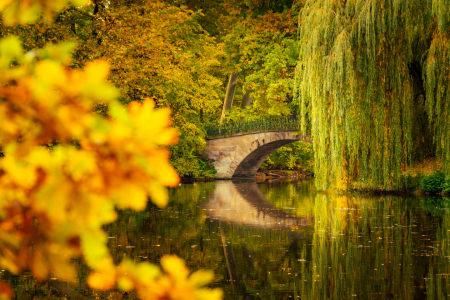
<point>360,85</point>
<point>437,81</point>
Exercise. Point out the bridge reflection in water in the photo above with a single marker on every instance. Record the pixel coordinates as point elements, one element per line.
<point>242,203</point>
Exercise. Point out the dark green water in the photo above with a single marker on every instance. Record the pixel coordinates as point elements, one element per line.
<point>287,241</point>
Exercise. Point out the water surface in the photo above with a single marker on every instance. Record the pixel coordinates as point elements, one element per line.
<point>287,241</point>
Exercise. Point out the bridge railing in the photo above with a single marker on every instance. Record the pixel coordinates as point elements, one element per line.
<point>278,123</point>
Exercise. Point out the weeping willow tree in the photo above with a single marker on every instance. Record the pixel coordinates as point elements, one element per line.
<point>368,70</point>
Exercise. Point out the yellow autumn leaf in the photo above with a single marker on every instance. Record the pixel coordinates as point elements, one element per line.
<point>15,13</point>
<point>80,164</point>
<point>167,175</point>
<point>209,294</point>
<point>70,192</point>
<point>70,124</point>
<point>105,208</point>
<point>125,283</point>
<point>119,133</point>
<point>3,3</point>
<point>51,72</point>
<point>163,170</point>
<point>175,268</point>
<point>94,247</point>
<point>40,157</point>
<point>158,193</point>
<point>94,77</point>
<point>154,124</point>
<point>131,196</point>
<point>23,12</point>
<point>120,112</point>
<point>10,48</point>
<point>7,262</point>
<point>146,272</point>
<point>96,71</point>
<point>59,52</point>
<point>6,291</point>
<point>200,278</point>
<point>102,281</point>
<point>63,271</point>
<point>19,172</point>
<point>168,137</point>
<point>39,266</point>
<point>46,195</point>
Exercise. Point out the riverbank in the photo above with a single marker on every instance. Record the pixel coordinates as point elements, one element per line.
<point>424,178</point>
<point>192,180</point>
<point>410,181</point>
<point>267,175</point>
<point>261,176</point>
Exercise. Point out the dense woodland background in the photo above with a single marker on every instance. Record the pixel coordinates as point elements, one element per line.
<point>370,79</point>
<point>181,54</point>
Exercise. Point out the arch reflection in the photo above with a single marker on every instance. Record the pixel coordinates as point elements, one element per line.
<point>242,203</point>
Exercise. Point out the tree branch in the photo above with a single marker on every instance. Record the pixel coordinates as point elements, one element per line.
<point>83,13</point>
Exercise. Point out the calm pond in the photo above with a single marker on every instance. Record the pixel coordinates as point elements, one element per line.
<point>287,241</point>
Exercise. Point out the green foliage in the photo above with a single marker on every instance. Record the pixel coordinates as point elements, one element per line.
<point>192,166</point>
<point>360,83</point>
<point>446,185</point>
<point>433,183</point>
<point>437,74</point>
<point>294,156</point>
<point>261,46</point>
<point>186,158</point>
<point>411,182</point>
<point>236,114</point>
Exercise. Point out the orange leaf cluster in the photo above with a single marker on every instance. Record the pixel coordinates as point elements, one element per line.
<point>55,200</point>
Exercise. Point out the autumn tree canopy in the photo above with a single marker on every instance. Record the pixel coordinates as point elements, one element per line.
<point>367,72</point>
<point>155,50</point>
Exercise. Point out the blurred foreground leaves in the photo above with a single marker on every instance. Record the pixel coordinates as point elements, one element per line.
<point>65,169</point>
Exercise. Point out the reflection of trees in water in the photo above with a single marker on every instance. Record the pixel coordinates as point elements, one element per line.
<point>360,250</point>
<point>285,195</point>
<point>438,275</point>
<point>435,205</point>
<point>134,235</point>
<point>363,248</point>
<point>371,247</point>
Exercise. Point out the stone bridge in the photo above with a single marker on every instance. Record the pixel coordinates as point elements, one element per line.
<point>242,155</point>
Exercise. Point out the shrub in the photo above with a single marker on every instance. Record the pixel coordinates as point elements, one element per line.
<point>294,156</point>
<point>446,185</point>
<point>433,183</point>
<point>187,160</point>
<point>409,182</point>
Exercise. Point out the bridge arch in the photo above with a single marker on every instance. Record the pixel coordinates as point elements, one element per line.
<point>242,155</point>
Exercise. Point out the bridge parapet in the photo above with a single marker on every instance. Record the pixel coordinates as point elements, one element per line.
<point>263,124</point>
<point>241,156</point>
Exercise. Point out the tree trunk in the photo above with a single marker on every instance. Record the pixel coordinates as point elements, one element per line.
<point>246,100</point>
<point>231,89</point>
<point>231,262</point>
